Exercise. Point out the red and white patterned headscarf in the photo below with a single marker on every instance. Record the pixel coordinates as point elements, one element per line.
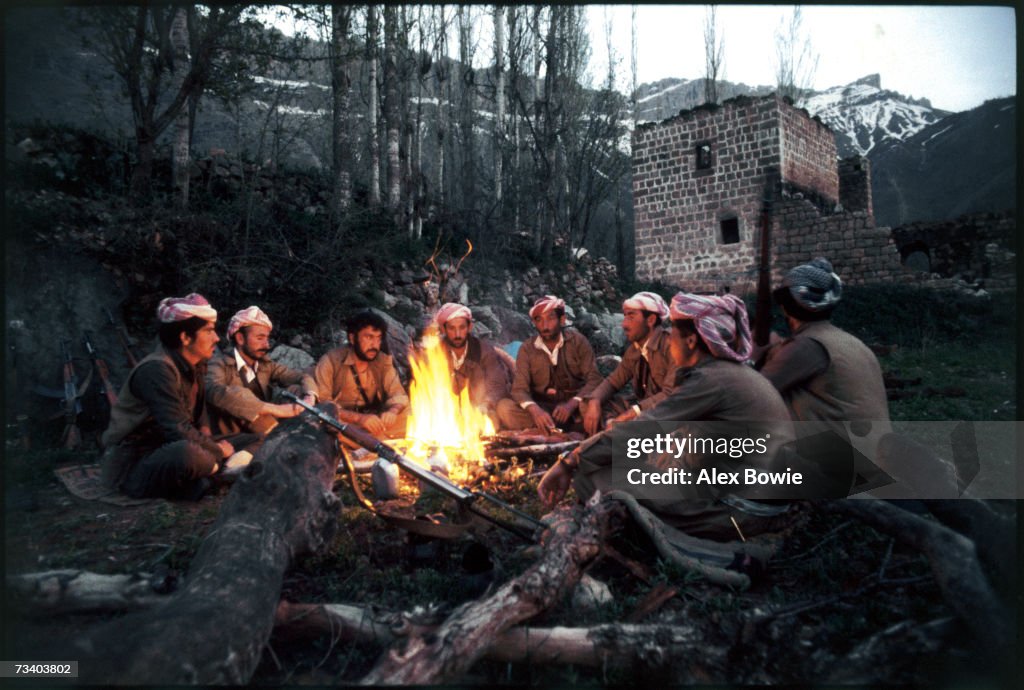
<point>173,309</point>
<point>647,301</point>
<point>452,310</point>
<point>250,316</point>
<point>721,322</point>
<point>546,304</point>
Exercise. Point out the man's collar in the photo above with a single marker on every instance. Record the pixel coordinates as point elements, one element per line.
<point>539,342</point>
<point>240,362</point>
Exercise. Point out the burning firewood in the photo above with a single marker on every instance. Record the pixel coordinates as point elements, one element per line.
<point>528,437</point>
<point>541,450</point>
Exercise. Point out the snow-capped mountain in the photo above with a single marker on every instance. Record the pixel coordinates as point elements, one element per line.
<point>863,115</point>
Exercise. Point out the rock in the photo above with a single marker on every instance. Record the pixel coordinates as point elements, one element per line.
<point>514,325</point>
<point>389,300</point>
<point>606,364</point>
<point>591,594</point>
<point>485,316</point>
<point>292,357</point>
<point>587,323</point>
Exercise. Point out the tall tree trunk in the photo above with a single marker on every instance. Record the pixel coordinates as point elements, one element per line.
<point>392,108</point>
<point>514,72</point>
<point>372,35</point>
<point>182,123</point>
<point>541,176</point>
<point>443,103</point>
<point>466,102</point>
<point>499,102</point>
<point>341,16</point>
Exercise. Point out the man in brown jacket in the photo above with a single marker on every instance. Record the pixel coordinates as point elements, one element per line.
<point>825,375</point>
<point>158,443</point>
<point>362,380</point>
<point>474,365</point>
<point>646,365</point>
<point>554,372</point>
<point>238,382</point>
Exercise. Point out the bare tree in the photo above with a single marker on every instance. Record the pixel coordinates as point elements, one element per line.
<point>795,58</point>
<point>340,54</point>
<point>499,101</point>
<point>714,54</point>
<point>181,158</point>
<point>373,108</point>
<point>392,107</point>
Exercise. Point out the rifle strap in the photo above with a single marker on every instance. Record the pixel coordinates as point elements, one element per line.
<point>424,527</point>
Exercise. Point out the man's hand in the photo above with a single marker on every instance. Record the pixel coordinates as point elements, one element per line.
<point>627,416</point>
<point>372,423</point>
<point>592,416</point>
<point>226,449</point>
<point>555,483</point>
<point>388,418</point>
<point>309,399</point>
<point>282,411</point>
<point>563,413</point>
<point>541,419</point>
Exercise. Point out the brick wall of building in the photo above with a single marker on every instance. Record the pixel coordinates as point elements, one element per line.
<point>808,153</point>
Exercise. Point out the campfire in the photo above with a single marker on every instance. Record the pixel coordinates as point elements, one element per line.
<point>444,430</point>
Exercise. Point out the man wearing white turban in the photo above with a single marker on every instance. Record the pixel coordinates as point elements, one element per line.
<point>554,372</point>
<point>473,362</point>
<point>646,364</point>
<point>238,382</point>
<point>158,442</point>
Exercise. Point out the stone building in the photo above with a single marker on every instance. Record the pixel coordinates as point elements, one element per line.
<point>702,179</point>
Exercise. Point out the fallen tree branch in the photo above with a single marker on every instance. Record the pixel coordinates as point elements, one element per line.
<point>539,450</point>
<point>954,562</point>
<point>214,630</point>
<point>80,591</point>
<point>602,645</point>
<point>444,655</point>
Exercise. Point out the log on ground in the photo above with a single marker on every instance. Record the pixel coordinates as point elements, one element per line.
<point>214,629</point>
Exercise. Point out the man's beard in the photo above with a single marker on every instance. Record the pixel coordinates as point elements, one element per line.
<point>457,344</point>
<point>365,356</point>
<point>253,354</point>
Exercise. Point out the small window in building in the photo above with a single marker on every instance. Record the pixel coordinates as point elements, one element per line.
<point>704,156</point>
<point>730,230</point>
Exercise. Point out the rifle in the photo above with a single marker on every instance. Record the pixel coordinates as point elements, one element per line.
<point>122,336</point>
<point>763,313</point>
<point>72,437</point>
<point>106,387</point>
<point>463,497</point>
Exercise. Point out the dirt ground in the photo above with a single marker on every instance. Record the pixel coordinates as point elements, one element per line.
<point>845,603</point>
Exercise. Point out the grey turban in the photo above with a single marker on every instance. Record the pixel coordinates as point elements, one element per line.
<point>814,285</point>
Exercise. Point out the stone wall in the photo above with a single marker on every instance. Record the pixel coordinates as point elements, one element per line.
<point>976,247</point>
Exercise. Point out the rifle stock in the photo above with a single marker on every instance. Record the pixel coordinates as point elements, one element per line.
<point>72,436</point>
<point>441,483</point>
<point>101,366</point>
<point>122,337</point>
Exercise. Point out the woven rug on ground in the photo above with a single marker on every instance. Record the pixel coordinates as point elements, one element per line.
<point>84,482</point>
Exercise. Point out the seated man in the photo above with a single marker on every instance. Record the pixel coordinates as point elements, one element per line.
<point>554,372</point>
<point>238,382</point>
<point>825,375</point>
<point>646,364</point>
<point>474,364</point>
<point>710,340</point>
<point>158,443</point>
<point>362,379</point>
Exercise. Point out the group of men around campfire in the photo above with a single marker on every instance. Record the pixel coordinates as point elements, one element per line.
<point>187,411</point>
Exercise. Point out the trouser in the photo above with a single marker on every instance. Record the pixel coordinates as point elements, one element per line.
<point>394,430</point>
<point>707,519</point>
<point>514,417</point>
<point>174,470</point>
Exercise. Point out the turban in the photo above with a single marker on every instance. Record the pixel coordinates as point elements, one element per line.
<point>814,286</point>
<point>452,310</point>
<point>647,301</point>
<point>250,316</point>
<point>546,304</point>
<point>721,322</point>
<point>173,309</point>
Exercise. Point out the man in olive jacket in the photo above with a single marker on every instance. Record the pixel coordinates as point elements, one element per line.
<point>554,373</point>
<point>158,443</point>
<point>238,382</point>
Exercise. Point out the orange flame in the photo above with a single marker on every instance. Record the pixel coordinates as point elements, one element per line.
<point>438,418</point>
